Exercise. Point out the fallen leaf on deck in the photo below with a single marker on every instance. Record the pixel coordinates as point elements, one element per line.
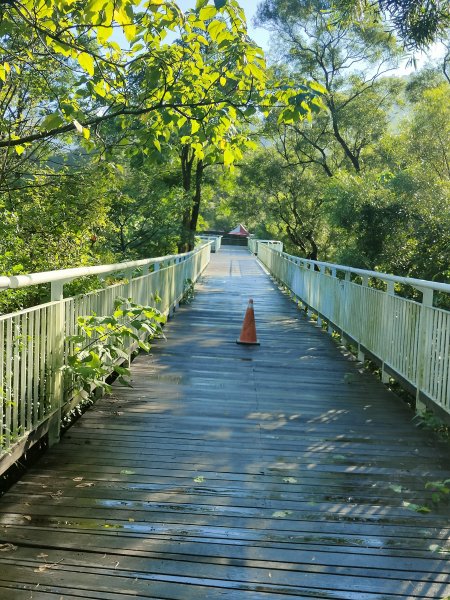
<point>395,488</point>
<point>7,547</point>
<point>290,480</point>
<point>127,472</point>
<point>416,507</point>
<point>199,479</point>
<point>86,484</point>
<point>47,567</point>
<point>280,514</point>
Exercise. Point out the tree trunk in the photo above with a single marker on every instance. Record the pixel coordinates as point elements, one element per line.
<point>337,134</point>
<point>187,161</point>
<point>196,204</point>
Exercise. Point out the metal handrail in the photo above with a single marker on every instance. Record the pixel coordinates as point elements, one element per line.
<point>409,338</point>
<point>411,281</point>
<point>66,275</point>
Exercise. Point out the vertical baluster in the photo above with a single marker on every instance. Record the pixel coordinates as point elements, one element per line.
<point>42,363</point>
<point>30,370</point>
<point>16,377</point>
<point>445,391</point>
<point>23,372</point>
<point>36,365</point>
<point>57,337</point>
<point>423,350</point>
<point>8,381</point>
<point>437,372</point>
<point>2,383</point>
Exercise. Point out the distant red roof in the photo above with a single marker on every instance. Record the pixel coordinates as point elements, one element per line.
<point>240,230</point>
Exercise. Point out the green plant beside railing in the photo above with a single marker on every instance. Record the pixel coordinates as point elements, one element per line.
<point>109,340</point>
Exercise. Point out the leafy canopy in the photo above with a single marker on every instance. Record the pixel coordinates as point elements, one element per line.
<point>163,85</point>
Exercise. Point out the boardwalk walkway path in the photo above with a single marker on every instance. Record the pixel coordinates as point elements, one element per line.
<point>233,472</point>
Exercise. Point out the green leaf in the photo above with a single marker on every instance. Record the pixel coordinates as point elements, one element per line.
<point>77,339</point>
<point>121,370</point>
<point>208,12</point>
<point>220,3</point>
<point>416,507</point>
<point>396,488</point>
<point>215,28</point>
<point>195,126</point>
<point>86,61</point>
<point>228,157</point>
<point>52,122</point>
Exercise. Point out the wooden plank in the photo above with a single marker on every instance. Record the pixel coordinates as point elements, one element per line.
<point>233,472</point>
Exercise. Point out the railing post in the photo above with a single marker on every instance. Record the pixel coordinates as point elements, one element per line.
<point>361,355</point>
<point>129,276</point>
<point>427,302</point>
<point>347,279</point>
<point>57,345</point>
<point>390,291</point>
<point>332,307</point>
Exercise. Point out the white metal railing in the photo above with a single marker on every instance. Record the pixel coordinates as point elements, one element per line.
<point>33,345</point>
<point>410,339</point>
<point>274,244</point>
<point>215,239</point>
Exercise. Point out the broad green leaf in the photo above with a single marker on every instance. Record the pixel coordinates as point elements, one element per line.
<point>104,33</point>
<point>220,3</point>
<point>95,6</point>
<point>86,61</point>
<point>228,157</point>
<point>208,12</point>
<point>52,122</point>
<point>214,29</point>
<point>416,507</point>
<point>199,152</point>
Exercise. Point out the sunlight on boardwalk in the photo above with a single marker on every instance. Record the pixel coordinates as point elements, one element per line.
<point>233,472</point>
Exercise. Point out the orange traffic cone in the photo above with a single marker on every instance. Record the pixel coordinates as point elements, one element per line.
<point>248,331</point>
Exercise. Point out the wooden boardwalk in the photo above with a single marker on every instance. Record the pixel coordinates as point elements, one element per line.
<point>233,472</point>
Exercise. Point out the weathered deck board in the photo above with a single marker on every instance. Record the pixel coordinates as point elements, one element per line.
<point>233,472</point>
